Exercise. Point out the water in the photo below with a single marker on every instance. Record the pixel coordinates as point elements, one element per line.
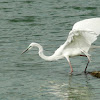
<point>27,77</point>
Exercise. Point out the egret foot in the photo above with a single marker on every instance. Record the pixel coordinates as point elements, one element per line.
<point>71,72</point>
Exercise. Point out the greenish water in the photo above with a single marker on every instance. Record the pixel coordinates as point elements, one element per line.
<point>28,77</point>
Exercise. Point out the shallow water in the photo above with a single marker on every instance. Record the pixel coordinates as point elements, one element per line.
<point>28,77</point>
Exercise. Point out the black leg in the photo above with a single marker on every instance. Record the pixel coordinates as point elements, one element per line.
<point>86,66</point>
<point>87,63</point>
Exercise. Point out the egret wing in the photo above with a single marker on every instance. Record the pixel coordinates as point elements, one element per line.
<point>92,24</point>
<point>80,39</point>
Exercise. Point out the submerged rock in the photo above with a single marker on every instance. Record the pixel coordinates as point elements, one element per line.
<point>95,74</point>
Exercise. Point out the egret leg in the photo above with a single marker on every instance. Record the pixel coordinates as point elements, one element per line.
<point>87,62</point>
<point>70,65</point>
<point>83,55</point>
<point>70,68</point>
<point>86,66</point>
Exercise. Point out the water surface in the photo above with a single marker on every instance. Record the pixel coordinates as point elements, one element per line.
<point>48,22</point>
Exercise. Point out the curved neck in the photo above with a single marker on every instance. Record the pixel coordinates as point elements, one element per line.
<point>41,54</point>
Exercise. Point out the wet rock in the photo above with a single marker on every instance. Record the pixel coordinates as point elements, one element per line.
<point>95,74</point>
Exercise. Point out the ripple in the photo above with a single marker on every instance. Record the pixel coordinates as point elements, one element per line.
<point>23,19</point>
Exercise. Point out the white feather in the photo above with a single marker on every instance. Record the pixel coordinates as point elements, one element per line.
<point>82,35</point>
<point>79,41</point>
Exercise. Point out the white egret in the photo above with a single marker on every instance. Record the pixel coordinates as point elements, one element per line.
<point>78,43</point>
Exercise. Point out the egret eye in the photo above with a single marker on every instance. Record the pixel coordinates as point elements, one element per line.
<point>29,47</point>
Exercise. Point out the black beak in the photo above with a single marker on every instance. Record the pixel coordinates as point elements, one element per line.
<point>25,51</point>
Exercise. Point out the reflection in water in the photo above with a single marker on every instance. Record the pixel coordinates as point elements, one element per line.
<point>78,91</point>
<point>67,91</point>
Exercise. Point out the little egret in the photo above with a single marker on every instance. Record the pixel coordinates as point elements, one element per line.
<point>78,43</point>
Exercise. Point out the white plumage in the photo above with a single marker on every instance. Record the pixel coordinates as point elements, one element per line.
<point>78,43</point>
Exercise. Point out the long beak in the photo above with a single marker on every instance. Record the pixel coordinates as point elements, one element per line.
<point>25,50</point>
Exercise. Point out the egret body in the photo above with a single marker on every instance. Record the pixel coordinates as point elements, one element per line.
<point>78,43</point>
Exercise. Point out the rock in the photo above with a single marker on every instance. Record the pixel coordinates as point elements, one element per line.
<point>95,74</point>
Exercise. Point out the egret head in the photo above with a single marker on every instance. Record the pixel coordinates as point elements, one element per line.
<point>29,47</point>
